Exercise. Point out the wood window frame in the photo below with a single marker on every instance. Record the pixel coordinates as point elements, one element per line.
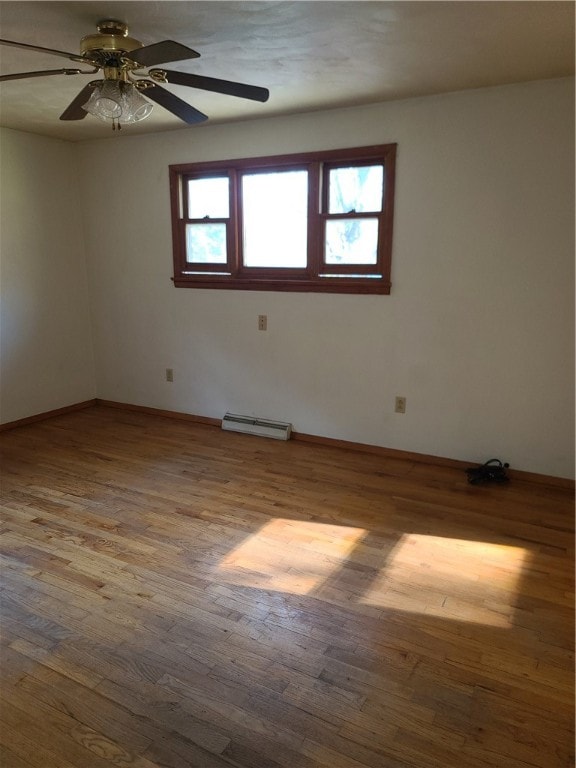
<point>317,276</point>
<point>185,219</point>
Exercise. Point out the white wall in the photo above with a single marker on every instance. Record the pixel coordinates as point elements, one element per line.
<point>46,350</point>
<point>478,331</point>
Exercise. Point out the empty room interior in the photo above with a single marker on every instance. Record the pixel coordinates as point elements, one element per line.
<point>287,384</point>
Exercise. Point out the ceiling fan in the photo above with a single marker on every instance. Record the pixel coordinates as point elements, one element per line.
<point>123,61</point>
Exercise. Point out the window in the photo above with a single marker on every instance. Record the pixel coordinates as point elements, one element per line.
<point>307,222</point>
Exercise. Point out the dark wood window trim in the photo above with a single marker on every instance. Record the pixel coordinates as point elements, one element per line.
<point>317,276</point>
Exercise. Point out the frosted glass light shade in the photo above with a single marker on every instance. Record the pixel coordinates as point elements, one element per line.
<point>135,106</point>
<point>117,100</point>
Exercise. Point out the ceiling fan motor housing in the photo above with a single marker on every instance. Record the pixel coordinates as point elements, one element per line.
<point>111,38</point>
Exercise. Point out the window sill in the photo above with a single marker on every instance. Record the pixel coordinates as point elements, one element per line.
<point>323,285</point>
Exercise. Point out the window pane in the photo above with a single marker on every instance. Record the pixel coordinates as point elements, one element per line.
<point>208,197</point>
<point>275,209</point>
<point>351,241</point>
<point>356,190</point>
<point>206,243</point>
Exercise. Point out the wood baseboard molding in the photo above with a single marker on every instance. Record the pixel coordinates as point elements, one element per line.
<point>391,453</point>
<point>160,412</point>
<point>47,415</point>
<point>439,461</point>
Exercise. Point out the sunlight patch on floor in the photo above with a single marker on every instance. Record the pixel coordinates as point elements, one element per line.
<point>295,556</point>
<point>453,579</point>
<point>449,578</point>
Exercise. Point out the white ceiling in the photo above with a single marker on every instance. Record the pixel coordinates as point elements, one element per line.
<point>311,55</point>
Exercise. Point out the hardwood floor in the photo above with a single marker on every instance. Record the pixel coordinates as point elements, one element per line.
<point>178,596</point>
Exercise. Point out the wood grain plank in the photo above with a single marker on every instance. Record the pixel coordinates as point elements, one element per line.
<point>174,595</point>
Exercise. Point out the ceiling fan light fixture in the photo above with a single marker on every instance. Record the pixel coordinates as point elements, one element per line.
<point>135,106</point>
<point>118,101</point>
<point>118,96</point>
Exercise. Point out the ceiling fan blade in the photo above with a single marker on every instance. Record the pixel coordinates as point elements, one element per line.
<point>214,84</point>
<point>175,105</point>
<point>74,110</point>
<point>159,53</point>
<point>44,73</point>
<point>52,51</point>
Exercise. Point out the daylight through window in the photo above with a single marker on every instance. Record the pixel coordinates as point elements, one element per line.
<point>308,222</point>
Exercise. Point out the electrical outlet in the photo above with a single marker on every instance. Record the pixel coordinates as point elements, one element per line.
<point>400,406</point>
<point>169,374</point>
<point>262,322</point>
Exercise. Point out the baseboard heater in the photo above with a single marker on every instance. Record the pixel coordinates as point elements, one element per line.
<point>253,426</point>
